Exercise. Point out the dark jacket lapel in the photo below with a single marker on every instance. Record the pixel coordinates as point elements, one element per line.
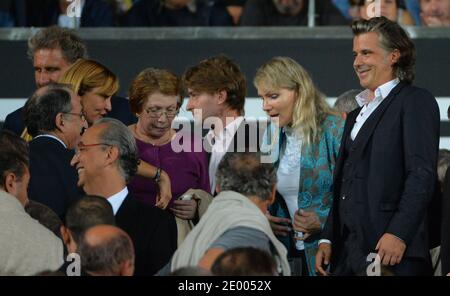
<point>371,123</point>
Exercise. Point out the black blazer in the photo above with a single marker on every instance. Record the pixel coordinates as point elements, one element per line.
<point>153,232</point>
<point>53,180</point>
<point>120,110</point>
<point>445,226</point>
<point>392,169</point>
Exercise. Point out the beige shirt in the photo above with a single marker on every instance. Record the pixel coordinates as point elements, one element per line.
<point>26,247</point>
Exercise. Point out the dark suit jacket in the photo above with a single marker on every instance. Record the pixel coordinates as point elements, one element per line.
<point>153,232</point>
<point>120,110</point>
<point>392,169</point>
<point>445,226</point>
<point>53,180</point>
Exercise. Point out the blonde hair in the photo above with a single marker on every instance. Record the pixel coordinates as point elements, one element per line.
<point>85,75</point>
<point>310,108</point>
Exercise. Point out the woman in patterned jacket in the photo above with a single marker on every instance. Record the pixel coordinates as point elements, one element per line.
<point>303,140</point>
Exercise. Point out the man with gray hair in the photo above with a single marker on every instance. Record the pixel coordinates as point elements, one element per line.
<point>346,102</point>
<point>236,217</point>
<point>106,159</point>
<point>54,117</point>
<point>52,51</point>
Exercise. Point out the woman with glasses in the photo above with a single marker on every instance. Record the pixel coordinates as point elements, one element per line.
<point>303,140</point>
<point>96,85</point>
<point>155,97</point>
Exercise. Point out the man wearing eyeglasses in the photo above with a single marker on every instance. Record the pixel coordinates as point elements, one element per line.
<point>55,119</point>
<point>106,159</point>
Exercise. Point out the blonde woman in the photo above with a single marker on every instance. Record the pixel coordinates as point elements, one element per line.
<point>306,132</point>
<point>96,85</point>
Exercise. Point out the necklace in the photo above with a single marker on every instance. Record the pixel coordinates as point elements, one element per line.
<point>159,142</point>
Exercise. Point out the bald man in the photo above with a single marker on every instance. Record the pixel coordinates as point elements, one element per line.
<point>107,250</point>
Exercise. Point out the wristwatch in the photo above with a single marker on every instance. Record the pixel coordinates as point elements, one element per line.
<point>157,176</point>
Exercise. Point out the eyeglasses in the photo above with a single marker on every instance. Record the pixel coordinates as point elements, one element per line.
<point>81,146</point>
<point>152,113</point>
<point>81,115</point>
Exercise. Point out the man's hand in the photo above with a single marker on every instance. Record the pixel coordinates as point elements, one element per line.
<point>390,249</point>
<point>185,209</point>
<point>323,257</point>
<point>306,222</point>
<point>164,194</point>
<point>276,223</point>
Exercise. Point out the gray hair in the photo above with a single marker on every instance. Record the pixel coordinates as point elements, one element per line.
<point>44,105</point>
<point>72,47</point>
<point>116,134</point>
<point>346,102</point>
<point>244,173</point>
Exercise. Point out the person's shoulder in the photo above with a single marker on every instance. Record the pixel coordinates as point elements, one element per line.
<point>333,121</point>
<point>411,94</point>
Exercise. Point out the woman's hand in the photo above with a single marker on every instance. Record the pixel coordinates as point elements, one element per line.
<point>306,222</point>
<point>164,194</point>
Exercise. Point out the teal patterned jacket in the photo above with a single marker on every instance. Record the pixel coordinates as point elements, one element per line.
<point>316,178</point>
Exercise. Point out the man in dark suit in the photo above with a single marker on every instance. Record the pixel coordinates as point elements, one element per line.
<point>54,118</point>
<point>52,51</point>
<point>106,159</point>
<point>386,171</point>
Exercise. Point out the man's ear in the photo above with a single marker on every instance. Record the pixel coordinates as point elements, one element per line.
<point>113,154</point>
<point>10,183</point>
<point>59,121</point>
<point>218,189</point>
<point>222,96</point>
<point>126,268</point>
<point>395,56</point>
<point>65,235</point>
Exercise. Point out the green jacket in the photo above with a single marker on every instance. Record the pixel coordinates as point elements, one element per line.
<point>316,178</point>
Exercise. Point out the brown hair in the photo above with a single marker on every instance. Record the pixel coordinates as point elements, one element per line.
<point>216,74</point>
<point>150,81</point>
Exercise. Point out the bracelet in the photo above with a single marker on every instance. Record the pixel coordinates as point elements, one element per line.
<point>157,176</point>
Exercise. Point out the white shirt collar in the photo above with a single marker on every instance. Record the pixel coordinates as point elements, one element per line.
<point>53,137</point>
<point>117,199</point>
<point>229,130</point>
<point>380,93</point>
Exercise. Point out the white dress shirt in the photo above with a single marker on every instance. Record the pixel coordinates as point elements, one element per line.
<point>220,142</point>
<point>369,106</point>
<point>117,199</point>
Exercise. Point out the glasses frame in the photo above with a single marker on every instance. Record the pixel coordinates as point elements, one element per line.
<point>161,112</point>
<point>81,115</point>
